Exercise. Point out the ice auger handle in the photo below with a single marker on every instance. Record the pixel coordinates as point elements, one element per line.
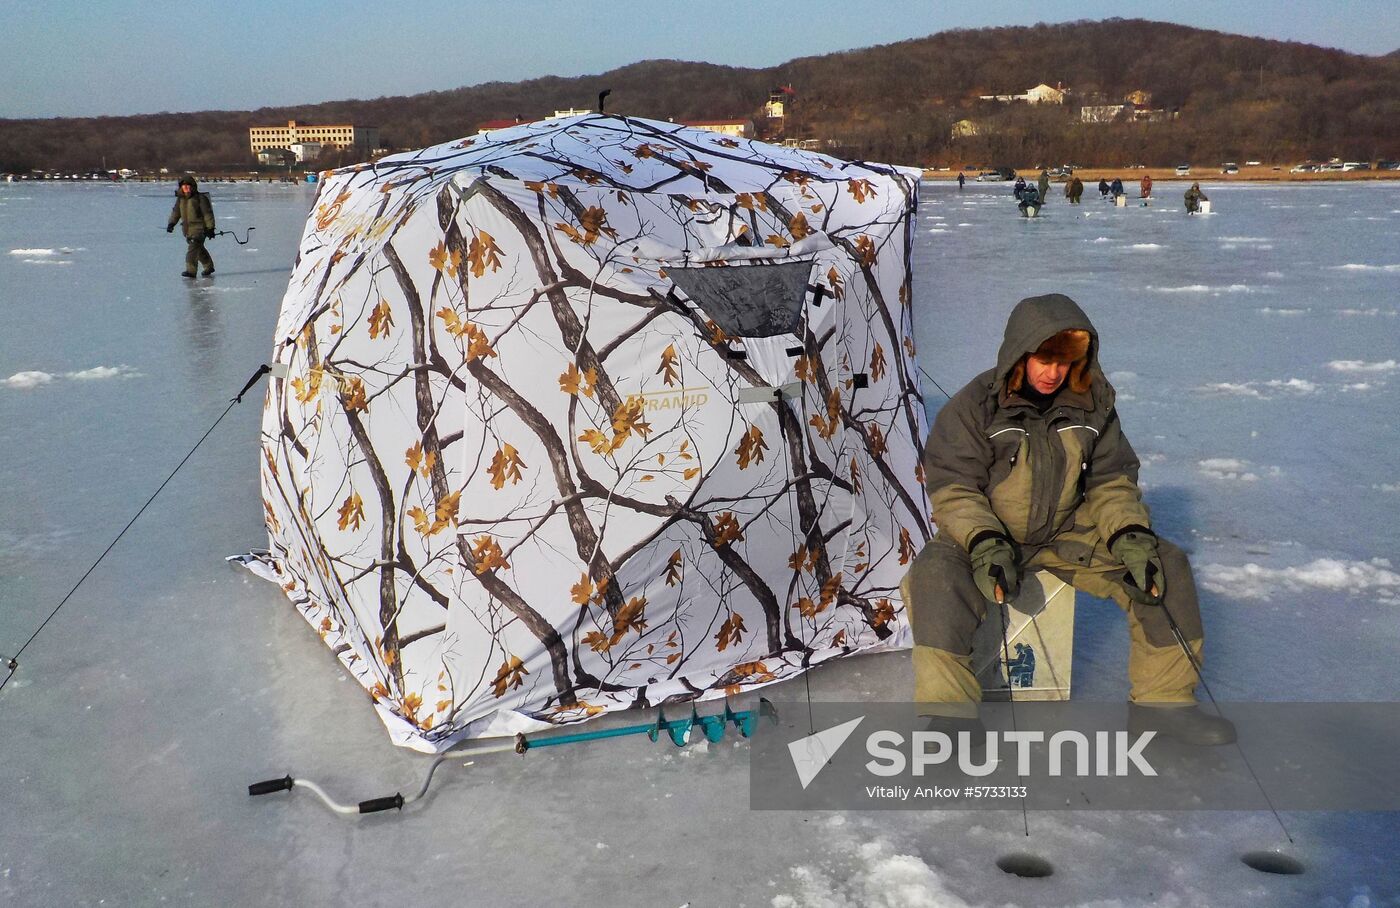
<point>270,786</point>
<point>374,805</point>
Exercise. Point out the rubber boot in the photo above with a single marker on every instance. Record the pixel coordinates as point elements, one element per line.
<point>1185,724</point>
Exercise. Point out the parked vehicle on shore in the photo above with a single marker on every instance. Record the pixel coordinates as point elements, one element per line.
<point>1183,170</point>
<point>996,175</point>
<point>1229,167</point>
<point>1303,168</point>
<point>1387,164</point>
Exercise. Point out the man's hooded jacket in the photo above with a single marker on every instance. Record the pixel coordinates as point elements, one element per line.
<point>195,210</point>
<point>996,462</point>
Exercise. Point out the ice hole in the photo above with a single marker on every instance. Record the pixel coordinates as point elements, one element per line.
<point>1025,865</point>
<point>1272,862</point>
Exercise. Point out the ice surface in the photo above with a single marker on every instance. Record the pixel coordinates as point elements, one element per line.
<point>165,685</point>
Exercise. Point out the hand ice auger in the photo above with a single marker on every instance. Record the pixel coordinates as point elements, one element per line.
<point>242,242</point>
<point>680,731</point>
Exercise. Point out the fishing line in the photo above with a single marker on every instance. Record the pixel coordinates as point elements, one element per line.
<point>12,662</point>
<point>1002,608</point>
<point>935,383</point>
<point>1181,639</point>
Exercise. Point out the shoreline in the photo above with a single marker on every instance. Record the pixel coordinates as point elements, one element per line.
<point>1130,176</point>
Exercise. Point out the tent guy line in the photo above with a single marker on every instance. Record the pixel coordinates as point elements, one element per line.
<point>12,662</point>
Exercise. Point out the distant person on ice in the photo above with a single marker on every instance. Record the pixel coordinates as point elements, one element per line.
<point>196,211</point>
<point>1146,186</point>
<point>1194,198</point>
<point>1103,188</point>
<point>961,180</point>
<point>1117,187</point>
<point>1073,190</point>
<point>1028,469</point>
<point>1043,186</point>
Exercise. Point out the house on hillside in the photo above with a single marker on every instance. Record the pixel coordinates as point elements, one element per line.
<point>308,151</point>
<point>1124,113</point>
<point>738,129</point>
<point>1101,113</point>
<point>1044,94</point>
<point>1041,94</point>
<point>489,126</point>
<point>275,156</point>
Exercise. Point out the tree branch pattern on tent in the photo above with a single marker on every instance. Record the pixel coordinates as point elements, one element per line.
<point>514,474</point>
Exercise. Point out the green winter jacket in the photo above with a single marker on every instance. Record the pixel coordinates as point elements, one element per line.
<point>196,211</point>
<point>994,463</point>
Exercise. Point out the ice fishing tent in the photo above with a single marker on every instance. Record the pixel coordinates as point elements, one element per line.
<point>593,413</point>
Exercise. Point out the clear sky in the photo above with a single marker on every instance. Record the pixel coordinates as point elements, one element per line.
<point>68,58</point>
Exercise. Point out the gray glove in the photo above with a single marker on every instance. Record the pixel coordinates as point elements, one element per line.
<point>1145,580</point>
<point>995,567</point>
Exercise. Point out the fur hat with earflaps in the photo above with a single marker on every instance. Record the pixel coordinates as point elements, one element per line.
<point>1070,346</point>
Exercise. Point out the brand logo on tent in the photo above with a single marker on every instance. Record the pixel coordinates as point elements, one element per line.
<point>672,399</point>
<point>812,754</point>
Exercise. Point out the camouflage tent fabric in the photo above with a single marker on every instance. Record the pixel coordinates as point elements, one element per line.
<point>595,413</point>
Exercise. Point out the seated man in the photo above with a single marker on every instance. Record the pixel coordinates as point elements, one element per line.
<point>1028,469</point>
<point>1194,198</point>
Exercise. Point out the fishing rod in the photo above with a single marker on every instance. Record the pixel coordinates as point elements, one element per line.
<point>11,663</point>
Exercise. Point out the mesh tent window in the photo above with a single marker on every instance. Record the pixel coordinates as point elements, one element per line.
<point>759,300</point>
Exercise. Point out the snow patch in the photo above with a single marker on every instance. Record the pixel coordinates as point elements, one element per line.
<point>34,253</point>
<point>1387,487</point>
<point>27,380</point>
<point>1356,365</point>
<point>98,373</point>
<point>1205,288</point>
<point>1146,246</point>
<point>880,879</point>
<point>1116,377</point>
<point>1253,388</point>
<point>1268,310</point>
<point>1101,239</point>
<point>1254,581</point>
<point>1354,266</point>
<point>1232,469</point>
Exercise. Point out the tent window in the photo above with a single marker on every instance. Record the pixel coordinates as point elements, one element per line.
<point>748,300</point>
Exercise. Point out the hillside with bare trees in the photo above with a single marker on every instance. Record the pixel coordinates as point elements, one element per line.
<point>1203,95</point>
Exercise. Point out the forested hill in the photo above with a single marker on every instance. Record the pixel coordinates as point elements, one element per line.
<point>1221,97</point>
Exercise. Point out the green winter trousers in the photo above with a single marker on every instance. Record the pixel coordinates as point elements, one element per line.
<point>945,608</point>
<point>196,254</point>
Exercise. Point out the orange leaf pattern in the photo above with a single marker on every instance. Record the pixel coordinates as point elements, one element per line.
<point>434,338</point>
